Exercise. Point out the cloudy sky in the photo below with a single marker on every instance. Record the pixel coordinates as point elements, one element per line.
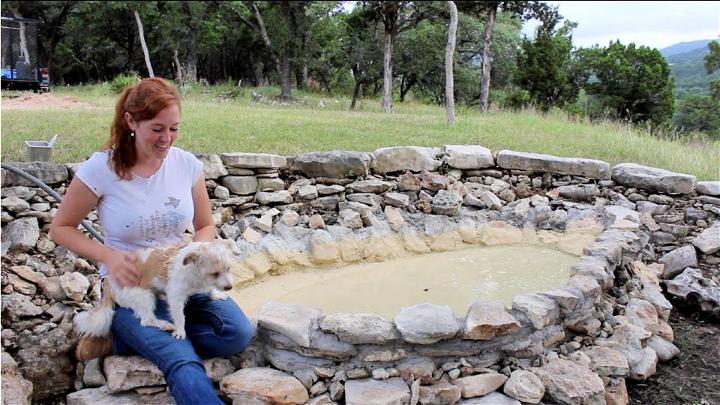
<point>656,24</point>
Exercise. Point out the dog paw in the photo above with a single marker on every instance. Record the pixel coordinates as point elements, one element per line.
<point>165,325</point>
<point>179,334</point>
<point>218,295</point>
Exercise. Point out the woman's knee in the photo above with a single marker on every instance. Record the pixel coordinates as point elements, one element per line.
<point>238,333</point>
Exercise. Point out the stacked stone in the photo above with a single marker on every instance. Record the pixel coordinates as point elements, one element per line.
<point>631,227</point>
<point>43,285</point>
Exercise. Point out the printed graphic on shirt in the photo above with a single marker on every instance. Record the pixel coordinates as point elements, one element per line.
<point>172,201</point>
<point>159,225</point>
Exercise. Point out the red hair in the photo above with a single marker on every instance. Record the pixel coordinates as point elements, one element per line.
<point>142,101</point>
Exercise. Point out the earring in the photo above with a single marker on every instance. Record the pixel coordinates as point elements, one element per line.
<point>132,134</point>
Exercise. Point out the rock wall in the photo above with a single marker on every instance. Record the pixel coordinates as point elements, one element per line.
<point>608,323</point>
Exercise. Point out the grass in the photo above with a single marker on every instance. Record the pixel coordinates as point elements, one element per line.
<point>211,124</point>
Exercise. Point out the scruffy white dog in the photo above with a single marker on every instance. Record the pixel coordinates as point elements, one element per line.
<point>179,271</point>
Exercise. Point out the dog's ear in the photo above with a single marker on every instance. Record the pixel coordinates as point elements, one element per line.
<point>191,257</point>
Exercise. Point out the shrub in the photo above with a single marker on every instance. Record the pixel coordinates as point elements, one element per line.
<point>123,80</point>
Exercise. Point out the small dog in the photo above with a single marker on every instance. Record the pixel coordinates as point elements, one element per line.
<point>179,272</point>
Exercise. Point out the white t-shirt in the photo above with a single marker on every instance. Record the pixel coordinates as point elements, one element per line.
<point>144,211</point>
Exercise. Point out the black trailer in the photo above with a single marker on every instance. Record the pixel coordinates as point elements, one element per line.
<point>22,65</point>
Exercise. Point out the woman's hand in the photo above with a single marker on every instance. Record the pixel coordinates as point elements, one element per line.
<point>121,267</point>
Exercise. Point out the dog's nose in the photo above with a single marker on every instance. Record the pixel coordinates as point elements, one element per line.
<point>228,287</point>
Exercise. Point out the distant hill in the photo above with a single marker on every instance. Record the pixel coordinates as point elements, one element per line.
<point>687,63</point>
<point>684,47</point>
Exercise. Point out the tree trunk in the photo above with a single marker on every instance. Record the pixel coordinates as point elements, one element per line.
<point>449,76</point>
<point>387,72</point>
<point>285,74</point>
<point>357,89</point>
<point>191,59</point>
<point>141,34</point>
<point>24,53</point>
<point>258,68</point>
<point>486,64</point>
<point>178,69</point>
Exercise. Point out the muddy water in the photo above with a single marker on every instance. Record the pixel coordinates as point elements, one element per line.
<point>455,278</point>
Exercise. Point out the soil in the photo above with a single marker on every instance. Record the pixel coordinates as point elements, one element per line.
<point>693,377</point>
<point>30,101</point>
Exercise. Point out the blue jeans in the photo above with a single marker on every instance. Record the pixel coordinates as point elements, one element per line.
<point>214,328</point>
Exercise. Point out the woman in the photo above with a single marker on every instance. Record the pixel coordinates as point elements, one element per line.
<point>147,193</point>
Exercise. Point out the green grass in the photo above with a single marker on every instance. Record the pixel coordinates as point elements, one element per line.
<point>239,125</point>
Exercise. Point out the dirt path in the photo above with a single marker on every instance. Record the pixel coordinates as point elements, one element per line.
<point>693,377</point>
<point>30,101</point>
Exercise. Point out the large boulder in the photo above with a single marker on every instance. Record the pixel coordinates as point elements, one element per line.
<point>426,323</point>
<point>401,158</point>
<point>653,179</point>
<point>293,321</point>
<point>569,383</point>
<point>15,388</point>
<point>709,240</point>
<point>468,157</point>
<point>536,162</point>
<point>486,320</point>
<point>21,234</point>
<point>692,286</point>
<point>360,328</point>
<point>334,164</point>
<point>127,372</point>
<point>213,166</point>
<point>678,260</point>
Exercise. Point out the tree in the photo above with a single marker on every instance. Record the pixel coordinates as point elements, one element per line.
<point>449,50</point>
<point>141,34</point>
<point>633,82</point>
<point>712,63</point>
<point>548,70</point>
<point>699,113</point>
<point>396,16</point>
<point>489,9</point>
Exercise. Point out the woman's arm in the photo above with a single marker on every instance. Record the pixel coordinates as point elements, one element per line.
<point>203,220</point>
<point>78,201</point>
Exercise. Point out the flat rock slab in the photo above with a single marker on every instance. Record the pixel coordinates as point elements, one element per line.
<point>334,164</point>
<point>293,321</point>
<point>537,162</point>
<point>493,398</point>
<point>48,173</point>
<point>360,328</point>
<point>426,323</point>
<point>392,391</point>
<point>486,320</point>
<point>258,384</point>
<point>468,157</point>
<point>401,158</point>
<point>253,160</point>
<point>653,179</point>
<point>101,396</point>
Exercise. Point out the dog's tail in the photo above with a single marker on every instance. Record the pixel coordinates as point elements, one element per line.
<point>97,322</point>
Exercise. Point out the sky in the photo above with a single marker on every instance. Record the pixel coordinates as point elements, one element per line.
<point>656,24</point>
